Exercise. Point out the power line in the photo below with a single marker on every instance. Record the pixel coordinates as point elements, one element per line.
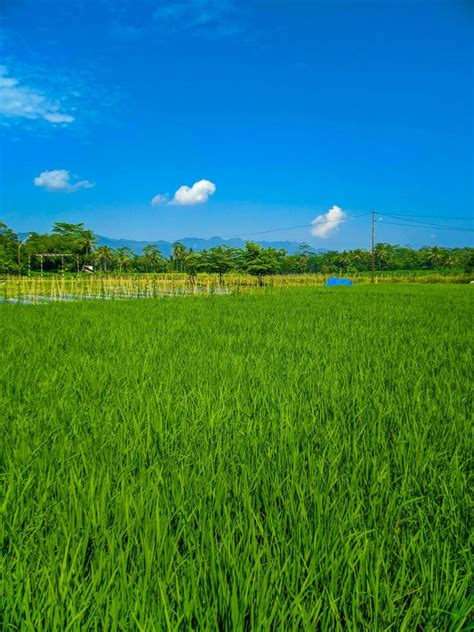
<point>428,216</point>
<point>414,223</point>
<point>276,230</point>
<point>466,230</point>
<point>428,224</point>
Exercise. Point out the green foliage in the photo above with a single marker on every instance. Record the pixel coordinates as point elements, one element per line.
<point>81,238</point>
<point>254,259</point>
<point>178,256</point>
<point>260,261</point>
<point>124,256</point>
<point>287,461</point>
<point>103,257</point>
<point>8,248</point>
<point>467,260</point>
<point>220,259</point>
<point>72,239</point>
<point>193,263</point>
<point>153,259</point>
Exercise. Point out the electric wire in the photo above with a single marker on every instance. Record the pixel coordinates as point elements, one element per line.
<point>467,230</point>
<point>415,222</point>
<point>471,218</point>
<point>276,230</point>
<point>427,224</point>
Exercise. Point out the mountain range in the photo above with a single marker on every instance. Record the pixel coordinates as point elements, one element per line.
<point>196,243</point>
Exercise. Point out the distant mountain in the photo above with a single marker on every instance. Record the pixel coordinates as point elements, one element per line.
<point>196,244</point>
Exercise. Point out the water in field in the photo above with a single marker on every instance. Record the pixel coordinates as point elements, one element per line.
<point>37,299</point>
<point>69,298</point>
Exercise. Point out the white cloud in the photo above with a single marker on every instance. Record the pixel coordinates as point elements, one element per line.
<point>56,117</point>
<point>199,193</point>
<point>161,198</point>
<point>18,101</point>
<point>324,225</point>
<point>59,181</point>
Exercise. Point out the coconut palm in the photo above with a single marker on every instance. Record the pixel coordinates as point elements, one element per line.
<point>436,256</point>
<point>87,241</point>
<point>384,255</point>
<point>103,255</point>
<point>153,257</point>
<point>179,254</point>
<point>192,264</point>
<point>123,257</point>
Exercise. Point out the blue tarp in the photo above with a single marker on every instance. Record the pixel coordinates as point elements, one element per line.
<point>334,281</point>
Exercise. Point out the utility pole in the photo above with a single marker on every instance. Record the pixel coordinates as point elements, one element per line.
<point>372,255</point>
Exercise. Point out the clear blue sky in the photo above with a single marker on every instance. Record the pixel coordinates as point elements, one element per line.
<point>288,108</point>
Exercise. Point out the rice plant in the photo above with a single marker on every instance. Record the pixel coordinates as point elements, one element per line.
<point>291,460</point>
<point>74,287</point>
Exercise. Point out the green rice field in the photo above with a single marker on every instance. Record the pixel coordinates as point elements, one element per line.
<point>291,459</point>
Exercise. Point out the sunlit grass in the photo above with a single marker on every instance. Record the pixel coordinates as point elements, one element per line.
<point>293,460</point>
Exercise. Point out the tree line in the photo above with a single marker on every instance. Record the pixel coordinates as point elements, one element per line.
<point>79,245</point>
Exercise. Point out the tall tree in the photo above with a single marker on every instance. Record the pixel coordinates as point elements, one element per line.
<point>104,255</point>
<point>87,241</point>
<point>384,255</point>
<point>221,260</point>
<point>260,262</point>
<point>178,254</point>
<point>437,256</point>
<point>9,245</point>
<point>192,264</point>
<point>68,230</point>
<point>124,256</point>
<point>153,257</point>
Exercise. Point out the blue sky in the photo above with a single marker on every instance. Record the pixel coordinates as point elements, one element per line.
<point>283,109</point>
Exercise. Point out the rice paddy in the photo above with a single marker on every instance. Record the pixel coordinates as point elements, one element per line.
<point>293,459</point>
<point>57,287</point>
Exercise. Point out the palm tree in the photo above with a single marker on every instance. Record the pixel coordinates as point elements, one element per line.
<point>436,256</point>
<point>179,254</point>
<point>192,264</point>
<point>152,256</point>
<point>104,255</point>
<point>87,241</point>
<point>123,256</point>
<point>384,254</point>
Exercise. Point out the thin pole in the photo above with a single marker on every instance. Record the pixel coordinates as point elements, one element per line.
<point>372,254</point>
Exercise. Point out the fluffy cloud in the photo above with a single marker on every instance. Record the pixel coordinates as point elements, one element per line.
<point>199,193</point>
<point>324,225</point>
<point>23,102</point>
<point>161,198</point>
<point>59,181</point>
